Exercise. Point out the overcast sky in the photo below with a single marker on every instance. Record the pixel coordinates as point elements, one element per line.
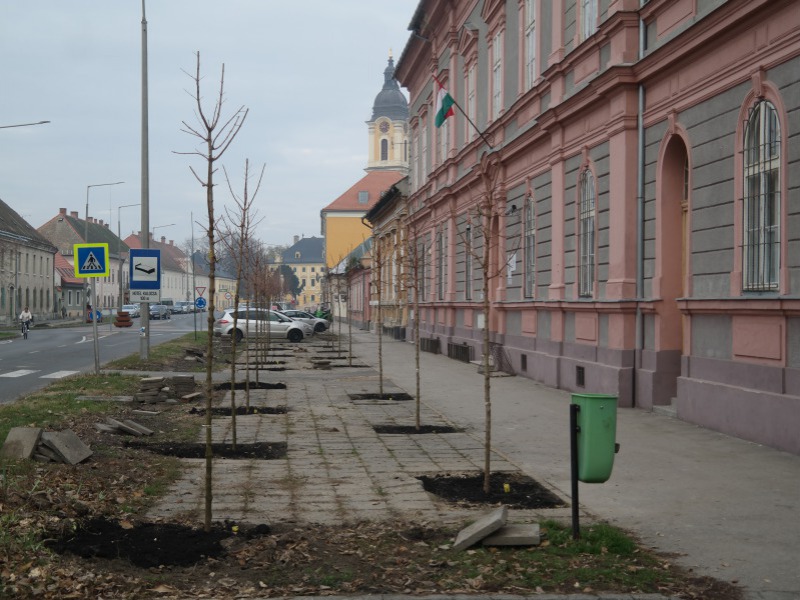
<point>308,71</point>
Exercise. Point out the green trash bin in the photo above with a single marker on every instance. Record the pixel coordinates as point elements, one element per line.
<point>597,436</point>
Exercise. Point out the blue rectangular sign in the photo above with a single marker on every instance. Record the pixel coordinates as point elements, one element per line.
<point>145,269</point>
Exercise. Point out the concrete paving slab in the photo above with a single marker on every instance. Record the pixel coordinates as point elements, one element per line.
<point>486,525</point>
<point>21,443</point>
<point>515,534</point>
<point>67,446</point>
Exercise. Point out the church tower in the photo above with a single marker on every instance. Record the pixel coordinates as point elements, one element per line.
<point>388,128</point>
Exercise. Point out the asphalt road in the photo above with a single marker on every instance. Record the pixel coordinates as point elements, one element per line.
<point>50,353</point>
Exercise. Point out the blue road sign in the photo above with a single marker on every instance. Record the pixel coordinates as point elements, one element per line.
<point>91,260</point>
<point>145,269</point>
<point>200,303</point>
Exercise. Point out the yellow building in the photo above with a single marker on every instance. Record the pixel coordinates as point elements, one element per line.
<point>386,165</point>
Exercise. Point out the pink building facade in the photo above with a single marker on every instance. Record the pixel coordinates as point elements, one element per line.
<point>643,215</point>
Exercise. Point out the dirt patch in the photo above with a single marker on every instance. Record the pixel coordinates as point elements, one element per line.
<point>513,490</point>
<point>261,450</point>
<point>413,430</point>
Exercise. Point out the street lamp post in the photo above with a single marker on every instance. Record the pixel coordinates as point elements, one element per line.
<point>94,279</point>
<point>119,252</point>
<point>86,227</point>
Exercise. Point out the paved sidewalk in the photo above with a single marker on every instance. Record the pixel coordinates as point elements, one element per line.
<point>727,508</point>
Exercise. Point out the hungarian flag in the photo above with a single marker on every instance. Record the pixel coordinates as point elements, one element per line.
<point>444,104</point>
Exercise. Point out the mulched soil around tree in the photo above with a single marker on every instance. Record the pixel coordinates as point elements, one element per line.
<point>253,385</point>
<point>259,450</point>
<point>413,429</point>
<point>223,411</point>
<point>513,490</point>
<point>397,396</point>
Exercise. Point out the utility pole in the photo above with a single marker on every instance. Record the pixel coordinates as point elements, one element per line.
<point>144,341</point>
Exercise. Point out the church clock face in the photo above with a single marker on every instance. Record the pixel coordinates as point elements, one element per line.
<point>384,127</point>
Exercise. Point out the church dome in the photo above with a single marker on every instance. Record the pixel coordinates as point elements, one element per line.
<point>390,101</point>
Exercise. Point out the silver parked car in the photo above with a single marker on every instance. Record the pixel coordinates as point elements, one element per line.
<point>279,325</point>
<point>318,324</point>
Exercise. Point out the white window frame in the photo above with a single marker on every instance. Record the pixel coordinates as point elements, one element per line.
<point>761,218</point>
<point>497,74</point>
<point>530,247</point>
<point>530,43</point>
<point>424,154</point>
<point>586,234</point>
<point>472,71</point>
<point>588,18</point>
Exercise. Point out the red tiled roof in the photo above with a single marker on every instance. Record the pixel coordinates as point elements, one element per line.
<point>65,269</point>
<point>374,183</point>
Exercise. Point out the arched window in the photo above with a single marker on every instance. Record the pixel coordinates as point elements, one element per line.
<point>762,199</point>
<point>586,235</point>
<point>384,149</point>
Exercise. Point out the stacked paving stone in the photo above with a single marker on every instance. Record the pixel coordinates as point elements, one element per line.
<point>45,446</point>
<point>152,390</point>
<point>181,385</point>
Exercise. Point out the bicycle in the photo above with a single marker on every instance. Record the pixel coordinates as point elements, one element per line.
<point>26,325</point>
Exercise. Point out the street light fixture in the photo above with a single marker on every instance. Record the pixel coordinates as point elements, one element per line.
<point>23,124</point>
<point>119,252</point>
<point>159,227</point>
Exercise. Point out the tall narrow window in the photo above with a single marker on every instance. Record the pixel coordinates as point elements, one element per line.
<point>441,262</point>
<point>384,149</point>
<point>422,267</point>
<point>468,262</point>
<point>586,235</point>
<point>761,219</point>
<point>415,170</point>
<point>424,154</point>
<point>530,247</point>
<point>497,74</point>
<point>530,44</point>
<point>444,141</point>
<point>588,18</point>
<point>470,133</point>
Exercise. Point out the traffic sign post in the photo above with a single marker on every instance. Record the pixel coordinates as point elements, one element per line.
<point>91,261</point>
<point>145,269</point>
<point>144,275</point>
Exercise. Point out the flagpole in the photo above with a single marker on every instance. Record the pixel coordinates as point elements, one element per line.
<point>466,116</point>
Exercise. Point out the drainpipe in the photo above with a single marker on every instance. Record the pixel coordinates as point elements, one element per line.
<point>639,345</point>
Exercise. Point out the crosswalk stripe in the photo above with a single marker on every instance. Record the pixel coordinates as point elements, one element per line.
<point>19,373</point>
<point>58,375</point>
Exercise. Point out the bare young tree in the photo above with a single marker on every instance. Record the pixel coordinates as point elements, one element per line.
<point>492,262</point>
<point>214,135</point>
<point>414,252</point>
<point>241,223</point>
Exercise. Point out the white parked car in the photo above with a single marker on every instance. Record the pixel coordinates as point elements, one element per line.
<point>318,324</point>
<point>132,310</point>
<point>279,325</point>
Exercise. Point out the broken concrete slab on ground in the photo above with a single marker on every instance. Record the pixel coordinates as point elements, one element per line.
<point>45,446</point>
<point>124,426</point>
<point>491,530</point>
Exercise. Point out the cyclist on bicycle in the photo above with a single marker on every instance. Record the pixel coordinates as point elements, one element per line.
<point>25,317</point>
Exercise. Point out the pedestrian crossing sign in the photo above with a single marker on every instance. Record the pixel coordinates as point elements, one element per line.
<point>91,260</point>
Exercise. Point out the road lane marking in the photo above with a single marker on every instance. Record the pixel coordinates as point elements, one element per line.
<point>19,373</point>
<point>58,375</point>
